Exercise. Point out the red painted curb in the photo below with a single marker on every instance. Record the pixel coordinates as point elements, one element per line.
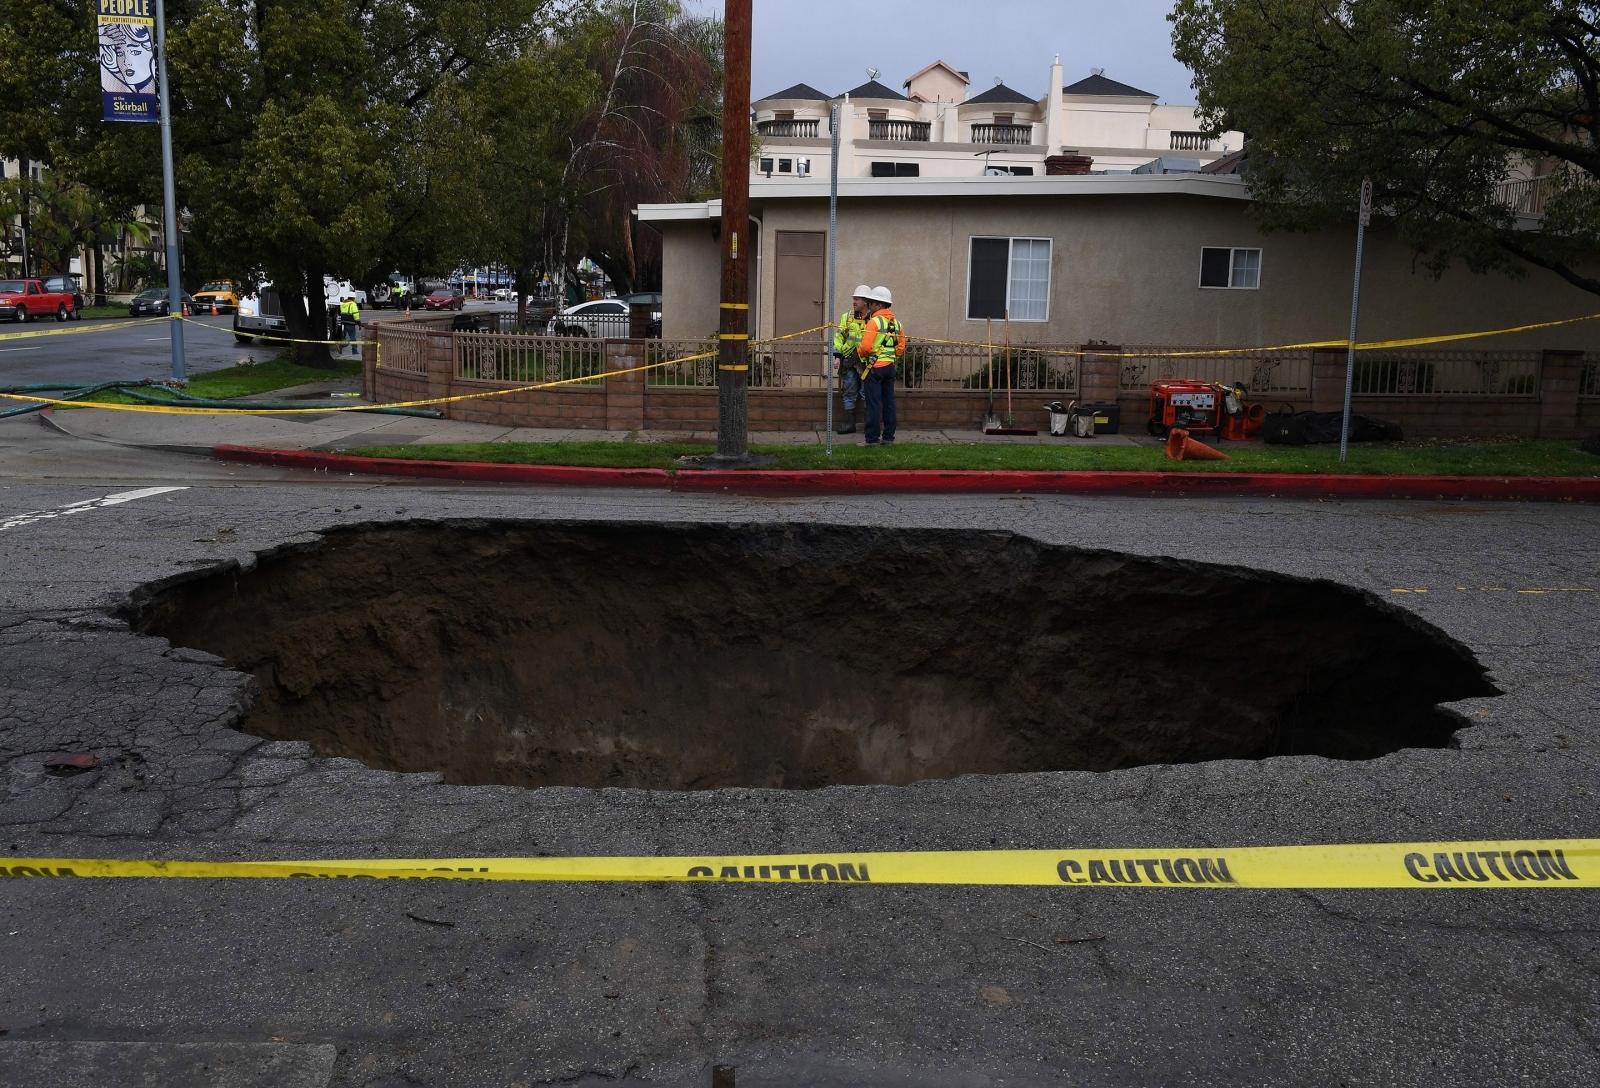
<point>449,470</point>
<point>836,481</point>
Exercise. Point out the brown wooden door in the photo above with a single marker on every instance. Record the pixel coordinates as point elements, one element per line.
<point>800,280</point>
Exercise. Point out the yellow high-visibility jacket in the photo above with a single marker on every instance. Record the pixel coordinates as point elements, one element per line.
<point>847,337</point>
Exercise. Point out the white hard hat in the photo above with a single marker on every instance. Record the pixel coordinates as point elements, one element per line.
<point>861,291</point>
<point>881,294</point>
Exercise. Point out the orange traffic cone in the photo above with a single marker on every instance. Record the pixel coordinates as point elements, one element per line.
<point>1181,446</point>
<point>213,307</point>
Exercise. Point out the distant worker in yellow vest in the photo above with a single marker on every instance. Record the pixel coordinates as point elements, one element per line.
<point>883,342</point>
<point>350,317</point>
<point>846,339</point>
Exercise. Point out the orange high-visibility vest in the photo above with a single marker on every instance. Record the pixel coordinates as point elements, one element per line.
<point>884,340</point>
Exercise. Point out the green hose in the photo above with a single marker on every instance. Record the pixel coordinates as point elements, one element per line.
<point>73,392</point>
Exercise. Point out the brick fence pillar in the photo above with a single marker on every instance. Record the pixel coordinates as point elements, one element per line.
<point>369,362</point>
<point>1559,372</point>
<point>625,392</point>
<point>1327,379</point>
<point>441,366</point>
<point>1099,373</point>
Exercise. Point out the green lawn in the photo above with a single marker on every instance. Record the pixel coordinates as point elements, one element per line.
<point>1462,459</point>
<point>105,311</point>
<point>250,378</point>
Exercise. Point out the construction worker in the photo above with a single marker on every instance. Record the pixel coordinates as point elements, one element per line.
<point>883,342</point>
<point>846,339</point>
<point>350,317</point>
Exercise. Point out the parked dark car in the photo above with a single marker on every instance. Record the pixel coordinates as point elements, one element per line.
<point>445,298</point>
<point>154,303</point>
<point>67,285</point>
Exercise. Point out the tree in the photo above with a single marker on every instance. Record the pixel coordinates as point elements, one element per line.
<point>1442,103</point>
<point>299,120</point>
<point>652,135</point>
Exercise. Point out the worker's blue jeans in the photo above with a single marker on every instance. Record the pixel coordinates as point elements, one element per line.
<point>849,387</point>
<point>352,333</point>
<point>878,391</point>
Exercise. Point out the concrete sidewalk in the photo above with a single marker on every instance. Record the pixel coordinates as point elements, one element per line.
<point>347,430</point>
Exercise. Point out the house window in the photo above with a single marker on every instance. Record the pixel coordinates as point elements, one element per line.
<point>766,166</point>
<point>783,115</point>
<point>1009,274</point>
<point>785,166</point>
<point>877,115</point>
<point>1230,268</point>
<point>896,170</point>
<point>1004,118</point>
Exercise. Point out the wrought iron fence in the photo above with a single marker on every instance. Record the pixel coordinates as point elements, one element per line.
<point>1002,134</point>
<point>1285,373</point>
<point>508,357</point>
<point>688,374</point>
<point>1589,375</point>
<point>402,349</point>
<point>1433,372</point>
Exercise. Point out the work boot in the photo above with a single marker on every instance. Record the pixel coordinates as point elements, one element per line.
<point>847,426</point>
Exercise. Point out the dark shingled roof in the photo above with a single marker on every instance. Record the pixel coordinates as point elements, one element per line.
<point>1234,162</point>
<point>803,91</point>
<point>1000,94</point>
<point>874,89</point>
<point>1103,86</point>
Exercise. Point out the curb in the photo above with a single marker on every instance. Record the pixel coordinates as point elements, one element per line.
<point>479,471</point>
<point>936,481</point>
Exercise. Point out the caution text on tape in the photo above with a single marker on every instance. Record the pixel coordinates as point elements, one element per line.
<point>1541,863</point>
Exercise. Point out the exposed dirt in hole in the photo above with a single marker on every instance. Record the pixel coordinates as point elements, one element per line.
<point>696,657</point>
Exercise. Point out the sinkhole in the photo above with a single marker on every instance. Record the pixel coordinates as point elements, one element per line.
<point>676,656</point>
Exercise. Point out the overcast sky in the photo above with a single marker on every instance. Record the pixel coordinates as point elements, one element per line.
<point>831,43</point>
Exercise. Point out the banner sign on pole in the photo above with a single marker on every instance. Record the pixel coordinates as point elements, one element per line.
<point>128,61</point>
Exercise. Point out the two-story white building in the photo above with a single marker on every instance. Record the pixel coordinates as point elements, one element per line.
<point>937,128</point>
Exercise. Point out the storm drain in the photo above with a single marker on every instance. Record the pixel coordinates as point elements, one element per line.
<point>698,656</point>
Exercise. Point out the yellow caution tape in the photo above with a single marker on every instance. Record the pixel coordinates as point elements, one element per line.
<point>81,329</point>
<point>161,409</point>
<point>1369,345</point>
<point>1519,863</point>
<point>267,336</point>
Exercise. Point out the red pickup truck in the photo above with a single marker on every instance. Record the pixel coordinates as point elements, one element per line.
<point>23,300</point>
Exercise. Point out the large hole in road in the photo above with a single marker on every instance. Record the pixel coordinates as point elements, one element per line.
<point>697,656</point>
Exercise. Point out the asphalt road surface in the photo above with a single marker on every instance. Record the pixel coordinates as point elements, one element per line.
<point>385,984</point>
<point>124,349</point>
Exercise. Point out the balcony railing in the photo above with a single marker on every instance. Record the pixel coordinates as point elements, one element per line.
<point>1189,141</point>
<point>788,130</point>
<point>1002,134</point>
<point>903,131</point>
<point>1525,197</point>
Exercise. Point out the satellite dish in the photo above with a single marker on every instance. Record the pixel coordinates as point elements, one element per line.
<point>872,73</point>
<point>999,81</point>
<point>1097,71</point>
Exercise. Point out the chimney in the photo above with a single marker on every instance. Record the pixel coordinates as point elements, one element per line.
<point>1067,164</point>
<point>1055,118</point>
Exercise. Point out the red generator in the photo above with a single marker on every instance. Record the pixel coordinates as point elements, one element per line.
<point>1180,402</point>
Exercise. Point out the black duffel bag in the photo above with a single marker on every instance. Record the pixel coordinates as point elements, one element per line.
<point>1285,427</point>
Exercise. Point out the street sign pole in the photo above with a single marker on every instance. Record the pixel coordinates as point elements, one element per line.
<point>170,223</point>
<point>833,253</point>
<point>733,342</point>
<point>1355,311</point>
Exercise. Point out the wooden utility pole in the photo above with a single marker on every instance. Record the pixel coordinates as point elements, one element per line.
<point>733,356</point>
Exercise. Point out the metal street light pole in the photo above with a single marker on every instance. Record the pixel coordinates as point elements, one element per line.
<point>170,222</point>
<point>1355,310</point>
<point>733,355</point>
<point>833,253</point>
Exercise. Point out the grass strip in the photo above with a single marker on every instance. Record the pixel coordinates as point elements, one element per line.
<point>247,379</point>
<point>1533,458</point>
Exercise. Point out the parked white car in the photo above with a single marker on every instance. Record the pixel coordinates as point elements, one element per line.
<point>606,317</point>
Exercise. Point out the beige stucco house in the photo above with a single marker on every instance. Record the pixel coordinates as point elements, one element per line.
<point>1170,260</point>
<point>940,127</point>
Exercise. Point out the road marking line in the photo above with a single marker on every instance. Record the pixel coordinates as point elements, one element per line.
<point>88,504</point>
<point>23,349</point>
<point>156,339</point>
